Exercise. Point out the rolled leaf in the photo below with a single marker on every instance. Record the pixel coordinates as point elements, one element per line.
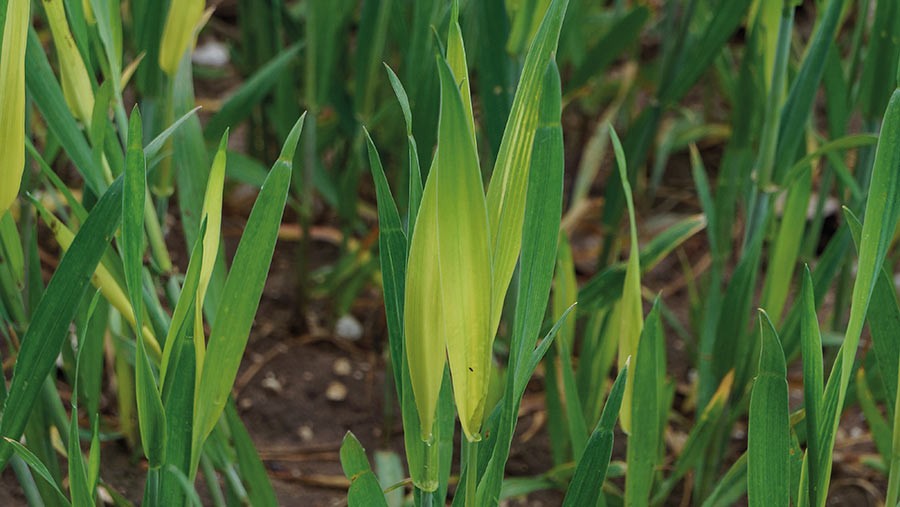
<point>464,257</point>
<point>178,33</point>
<point>12,100</point>
<point>76,83</point>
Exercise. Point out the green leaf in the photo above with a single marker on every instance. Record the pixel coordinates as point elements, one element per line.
<point>564,297</point>
<point>627,317</point>
<point>402,98</point>
<point>880,64</point>
<point>813,379</point>
<point>151,416</point>
<point>240,298</point>
<point>423,312</point>
<point>48,97</point>
<point>883,318</point>
<point>507,190</point>
<point>211,213</point>
<point>703,431</point>
<point>364,487</point>
<point>731,487</point>
<point>882,210</point>
<point>799,102</point>
<point>768,436</point>
<point>253,472</point>
<point>585,488</point>
<point>786,248</point>
<point>392,254</point>
<point>12,99</point>
<point>56,309</point>
<point>456,58</point>
<point>180,326</point>
<point>540,232</point>
<point>153,147</point>
<point>185,484</point>
<point>81,482</point>
<point>178,400</point>
<point>36,465</point>
<point>844,143</point>
<point>644,439</point>
<point>11,248</point>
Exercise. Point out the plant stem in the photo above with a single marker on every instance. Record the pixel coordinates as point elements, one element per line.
<point>894,474</point>
<point>155,236</point>
<point>209,473</point>
<point>471,457</point>
<point>151,488</point>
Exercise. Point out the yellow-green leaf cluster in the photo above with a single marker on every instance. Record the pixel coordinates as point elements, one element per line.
<point>12,100</point>
<point>178,32</point>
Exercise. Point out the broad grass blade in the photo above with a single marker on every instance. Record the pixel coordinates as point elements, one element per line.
<point>464,257</point>
<point>768,438</point>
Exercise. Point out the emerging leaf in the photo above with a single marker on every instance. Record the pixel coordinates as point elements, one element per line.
<point>178,33</point>
<point>12,100</point>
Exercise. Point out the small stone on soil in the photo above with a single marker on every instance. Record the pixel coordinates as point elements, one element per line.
<point>342,366</point>
<point>271,382</point>
<point>305,433</point>
<point>348,328</point>
<point>336,391</point>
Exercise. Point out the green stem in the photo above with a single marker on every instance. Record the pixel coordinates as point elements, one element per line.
<point>426,498</point>
<point>155,236</point>
<point>209,474</point>
<point>894,476</point>
<point>471,457</point>
<point>151,488</point>
<point>26,481</point>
